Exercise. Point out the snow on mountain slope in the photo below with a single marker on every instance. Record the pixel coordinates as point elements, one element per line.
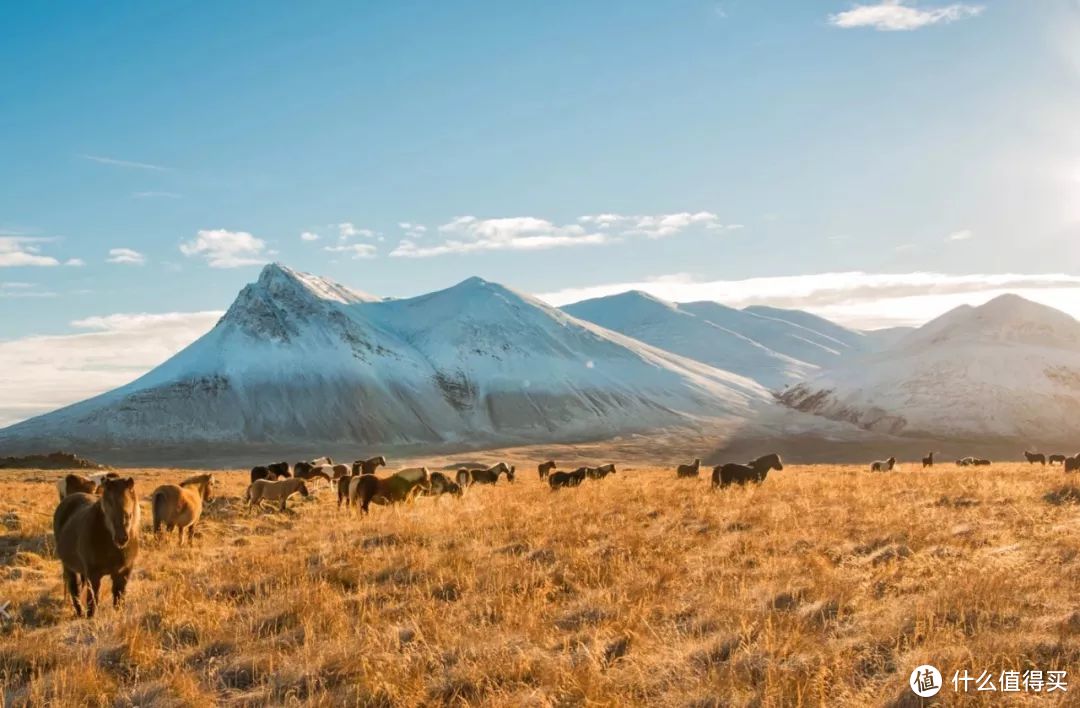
<point>838,337</point>
<point>696,332</point>
<point>1010,368</point>
<point>299,359</point>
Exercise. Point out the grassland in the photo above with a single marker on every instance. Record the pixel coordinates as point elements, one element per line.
<point>824,586</point>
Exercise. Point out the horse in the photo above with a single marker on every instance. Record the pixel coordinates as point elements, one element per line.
<point>1033,457</point>
<point>1056,458</point>
<point>341,471</point>
<point>95,537</point>
<point>558,480</point>
<point>544,468</point>
<point>264,490</point>
<point>181,505</point>
<point>978,462</point>
<point>280,470</point>
<point>1072,464</point>
<point>756,471</point>
<point>262,472</point>
<point>398,487</point>
<point>327,460</point>
<point>928,461</point>
<point>601,471</point>
<point>369,465</point>
<point>691,470</point>
<point>441,484</point>
<point>490,475</point>
<point>883,465</point>
<point>75,484</point>
<point>965,462</point>
<point>316,472</point>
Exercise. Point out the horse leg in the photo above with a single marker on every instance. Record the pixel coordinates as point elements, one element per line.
<point>119,586</point>
<point>74,587</point>
<point>190,535</point>
<point>91,599</point>
<point>180,538</point>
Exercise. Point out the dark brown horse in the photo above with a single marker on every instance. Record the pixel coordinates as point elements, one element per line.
<point>75,484</point>
<point>369,465</point>
<point>1060,459</point>
<point>441,484</point>
<point>95,537</point>
<point>928,461</point>
<point>343,489</point>
<point>262,472</point>
<point>544,468</point>
<point>756,471</point>
<point>1035,457</point>
<point>689,470</point>
<point>315,472</point>
<point>1072,464</point>
<point>979,462</point>
<point>280,470</point>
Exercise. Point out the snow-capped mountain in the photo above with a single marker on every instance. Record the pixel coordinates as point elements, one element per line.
<point>774,347</point>
<point>1009,368</point>
<point>298,359</point>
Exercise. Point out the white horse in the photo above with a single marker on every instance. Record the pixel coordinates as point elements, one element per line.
<point>883,465</point>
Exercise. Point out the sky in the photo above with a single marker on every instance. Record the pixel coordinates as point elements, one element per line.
<point>877,162</point>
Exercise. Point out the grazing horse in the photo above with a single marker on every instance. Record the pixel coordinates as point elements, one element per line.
<point>369,465</point>
<point>883,465</point>
<point>489,475</point>
<point>544,468</point>
<point>75,484</point>
<point>316,472</point>
<point>1033,457</point>
<point>95,537</point>
<point>280,470</point>
<point>978,462</point>
<point>441,484</point>
<point>692,470</point>
<point>398,487</point>
<point>180,505</point>
<point>263,490</point>
<point>558,480</point>
<point>1056,458</point>
<point>262,472</point>
<point>965,462</point>
<point>928,461</point>
<point>756,471</point>
<point>1072,464</point>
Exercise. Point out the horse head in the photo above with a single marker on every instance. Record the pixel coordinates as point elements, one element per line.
<point>121,509</point>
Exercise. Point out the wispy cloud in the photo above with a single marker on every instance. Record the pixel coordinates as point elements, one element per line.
<point>347,230</point>
<point>156,195</point>
<point>18,251</point>
<point>75,262</point>
<point>125,163</point>
<point>355,250</point>
<point>226,249</point>
<point>654,226</point>
<point>857,299</point>
<point>125,256</point>
<point>469,234</point>
<point>897,16</point>
<point>309,236</point>
<point>39,374</point>
<point>23,290</point>
<point>963,235</point>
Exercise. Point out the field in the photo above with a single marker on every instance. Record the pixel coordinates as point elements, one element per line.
<point>824,586</point>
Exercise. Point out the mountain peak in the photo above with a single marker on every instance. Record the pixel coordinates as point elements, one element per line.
<point>1006,318</point>
<point>280,280</point>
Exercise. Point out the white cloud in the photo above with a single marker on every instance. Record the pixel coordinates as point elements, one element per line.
<point>226,249</point>
<point>468,234</point>
<point>125,163</point>
<point>22,290</point>
<point>658,225</point>
<point>896,16</point>
<point>23,251</point>
<point>39,374</point>
<point>75,262</point>
<point>125,256</point>
<point>156,195</point>
<point>963,235</point>
<point>412,231</point>
<point>309,236</point>
<point>356,250</point>
<point>347,230</point>
<point>858,299</point>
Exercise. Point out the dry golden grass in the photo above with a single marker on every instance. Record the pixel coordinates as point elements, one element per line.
<point>824,586</point>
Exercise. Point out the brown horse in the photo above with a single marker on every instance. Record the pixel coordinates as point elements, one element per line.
<point>545,468</point>
<point>928,461</point>
<point>1035,457</point>
<point>1072,464</point>
<point>341,471</point>
<point>756,471</point>
<point>489,475</point>
<point>180,505</point>
<point>323,472</point>
<point>95,537</point>
<point>1060,459</point>
<point>280,470</point>
<point>75,484</point>
<point>689,470</point>
<point>264,490</point>
<point>397,488</point>
<point>978,462</point>
<point>441,484</point>
<point>262,472</point>
<point>369,465</point>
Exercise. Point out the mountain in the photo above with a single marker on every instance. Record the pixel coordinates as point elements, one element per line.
<point>298,360</point>
<point>1007,369</point>
<point>773,347</point>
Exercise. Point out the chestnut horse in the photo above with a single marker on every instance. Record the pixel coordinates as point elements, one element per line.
<point>95,537</point>
<point>397,488</point>
<point>180,505</point>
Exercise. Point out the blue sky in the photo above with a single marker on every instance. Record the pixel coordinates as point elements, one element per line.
<point>156,153</point>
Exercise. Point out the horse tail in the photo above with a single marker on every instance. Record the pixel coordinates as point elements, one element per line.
<point>157,510</point>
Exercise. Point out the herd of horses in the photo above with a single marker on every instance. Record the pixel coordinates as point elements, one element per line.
<point>96,523</point>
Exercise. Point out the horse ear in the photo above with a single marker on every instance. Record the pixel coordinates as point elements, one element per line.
<point>129,483</point>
